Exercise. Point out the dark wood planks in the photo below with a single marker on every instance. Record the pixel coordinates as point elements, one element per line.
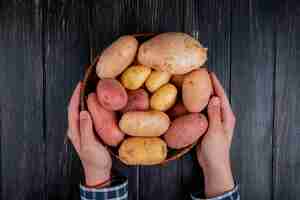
<point>252,70</point>
<point>161,182</point>
<point>286,146</point>
<point>21,85</point>
<point>107,21</point>
<point>210,22</point>
<point>66,47</point>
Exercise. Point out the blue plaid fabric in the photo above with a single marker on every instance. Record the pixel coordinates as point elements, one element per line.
<point>118,190</point>
<point>232,195</point>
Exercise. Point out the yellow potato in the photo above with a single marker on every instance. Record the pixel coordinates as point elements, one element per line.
<point>144,123</point>
<point>135,76</point>
<point>196,90</point>
<point>115,58</point>
<point>164,98</point>
<point>157,79</point>
<point>176,53</point>
<point>143,151</point>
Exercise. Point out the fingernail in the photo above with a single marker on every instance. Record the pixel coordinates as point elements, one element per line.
<point>84,115</point>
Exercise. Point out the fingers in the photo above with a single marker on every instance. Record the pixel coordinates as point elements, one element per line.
<point>214,114</point>
<point>73,117</point>
<point>73,109</point>
<point>86,129</point>
<point>227,113</point>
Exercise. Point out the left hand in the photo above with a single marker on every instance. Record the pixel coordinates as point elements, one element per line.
<point>214,150</point>
<point>94,156</point>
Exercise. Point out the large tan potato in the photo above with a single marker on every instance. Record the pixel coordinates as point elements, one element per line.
<point>111,94</point>
<point>138,100</point>
<point>144,123</point>
<point>143,151</point>
<point>176,53</point>
<point>164,98</point>
<point>196,90</point>
<point>105,122</point>
<point>186,130</point>
<point>157,79</point>
<point>115,58</point>
<point>135,76</point>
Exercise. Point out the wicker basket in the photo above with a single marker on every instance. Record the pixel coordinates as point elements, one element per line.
<point>89,85</point>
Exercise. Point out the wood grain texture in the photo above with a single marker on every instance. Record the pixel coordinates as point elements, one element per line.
<point>252,70</point>
<point>286,148</point>
<point>66,48</point>
<point>163,182</point>
<point>210,22</point>
<point>21,85</point>
<point>110,19</point>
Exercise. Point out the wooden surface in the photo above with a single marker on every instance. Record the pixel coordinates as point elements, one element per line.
<point>254,47</point>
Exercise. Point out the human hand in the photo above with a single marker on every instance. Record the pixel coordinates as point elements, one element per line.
<point>94,157</point>
<point>213,152</point>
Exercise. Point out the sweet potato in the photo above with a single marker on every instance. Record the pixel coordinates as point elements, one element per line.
<point>144,123</point>
<point>164,98</point>
<point>111,94</point>
<point>186,130</point>
<point>176,53</point>
<point>138,100</point>
<point>115,58</point>
<point>143,151</point>
<point>105,122</point>
<point>196,90</point>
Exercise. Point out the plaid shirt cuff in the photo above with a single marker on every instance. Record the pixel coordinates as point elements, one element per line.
<point>118,190</point>
<point>232,195</point>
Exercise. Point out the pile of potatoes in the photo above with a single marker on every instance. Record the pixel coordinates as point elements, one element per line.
<point>150,96</point>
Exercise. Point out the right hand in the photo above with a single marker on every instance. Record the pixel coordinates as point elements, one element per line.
<point>213,152</point>
<point>94,156</point>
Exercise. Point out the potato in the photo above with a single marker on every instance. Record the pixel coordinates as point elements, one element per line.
<point>177,80</point>
<point>115,58</point>
<point>143,151</point>
<point>164,98</point>
<point>138,100</point>
<point>196,90</point>
<point>144,123</point>
<point>186,130</point>
<point>177,110</point>
<point>156,80</point>
<point>135,76</point>
<point>176,53</point>
<point>111,94</point>
<point>105,122</point>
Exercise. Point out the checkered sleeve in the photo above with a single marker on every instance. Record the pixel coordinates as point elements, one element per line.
<point>118,190</point>
<point>232,195</point>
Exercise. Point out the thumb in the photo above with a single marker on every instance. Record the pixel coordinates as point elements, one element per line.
<point>214,113</point>
<point>86,128</point>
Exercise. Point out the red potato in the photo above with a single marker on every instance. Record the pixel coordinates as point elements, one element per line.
<point>196,90</point>
<point>105,122</point>
<point>177,110</point>
<point>138,100</point>
<point>186,130</point>
<point>111,94</point>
